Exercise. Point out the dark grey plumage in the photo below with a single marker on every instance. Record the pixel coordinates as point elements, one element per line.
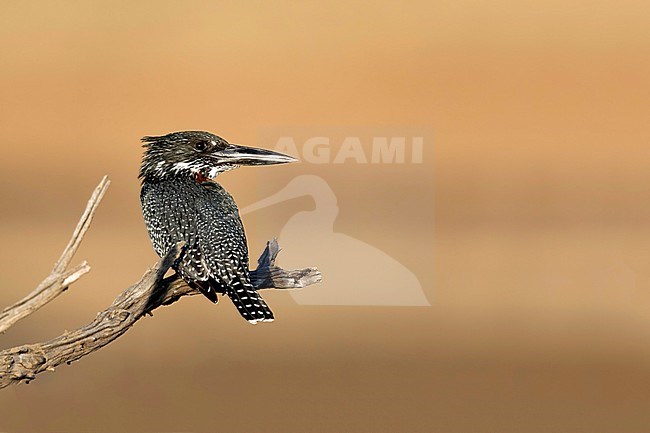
<point>180,202</point>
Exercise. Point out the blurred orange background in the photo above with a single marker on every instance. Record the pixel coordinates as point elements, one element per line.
<point>526,224</point>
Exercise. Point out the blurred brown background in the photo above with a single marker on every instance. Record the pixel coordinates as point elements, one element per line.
<point>527,224</point>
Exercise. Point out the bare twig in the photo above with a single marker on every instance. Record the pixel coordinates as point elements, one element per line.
<point>23,363</point>
<point>269,276</point>
<point>59,279</point>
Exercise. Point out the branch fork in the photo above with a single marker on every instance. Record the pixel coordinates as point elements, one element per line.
<point>23,363</point>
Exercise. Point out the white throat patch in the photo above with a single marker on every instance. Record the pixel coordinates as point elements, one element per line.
<point>180,166</point>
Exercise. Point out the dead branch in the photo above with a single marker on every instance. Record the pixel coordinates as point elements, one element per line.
<point>59,279</point>
<point>23,363</point>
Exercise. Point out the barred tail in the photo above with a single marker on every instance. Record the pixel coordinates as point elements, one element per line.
<point>249,303</point>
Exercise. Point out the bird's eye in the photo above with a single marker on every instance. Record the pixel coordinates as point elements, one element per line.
<point>201,145</point>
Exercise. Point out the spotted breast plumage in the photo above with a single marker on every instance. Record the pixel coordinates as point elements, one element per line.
<point>181,202</point>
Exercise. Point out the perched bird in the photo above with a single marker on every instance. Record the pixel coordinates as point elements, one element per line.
<point>181,202</point>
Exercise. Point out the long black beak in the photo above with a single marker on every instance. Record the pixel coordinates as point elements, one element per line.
<point>243,155</point>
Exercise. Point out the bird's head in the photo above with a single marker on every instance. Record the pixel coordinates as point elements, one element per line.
<point>192,153</point>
